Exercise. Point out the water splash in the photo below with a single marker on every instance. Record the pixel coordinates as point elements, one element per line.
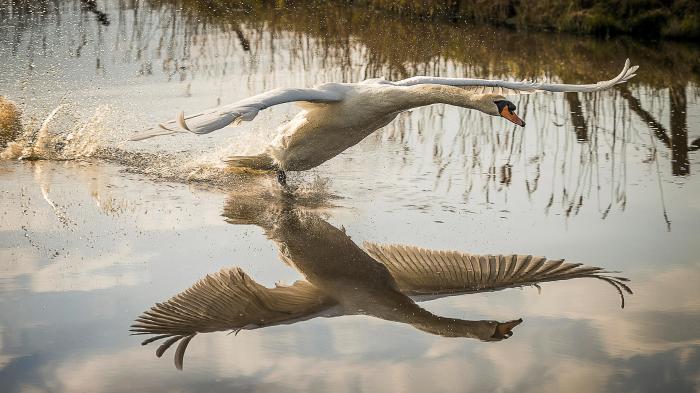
<point>10,124</point>
<point>262,205</point>
<point>63,136</point>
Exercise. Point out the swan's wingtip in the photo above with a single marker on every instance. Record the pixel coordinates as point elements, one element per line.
<point>181,121</point>
<point>628,72</point>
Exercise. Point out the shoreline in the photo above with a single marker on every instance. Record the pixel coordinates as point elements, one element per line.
<point>678,21</point>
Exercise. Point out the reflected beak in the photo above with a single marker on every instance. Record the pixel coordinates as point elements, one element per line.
<point>512,117</point>
<point>505,329</point>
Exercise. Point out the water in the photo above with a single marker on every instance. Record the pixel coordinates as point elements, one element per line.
<point>95,231</point>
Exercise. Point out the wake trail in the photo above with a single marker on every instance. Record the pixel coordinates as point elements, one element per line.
<point>62,136</point>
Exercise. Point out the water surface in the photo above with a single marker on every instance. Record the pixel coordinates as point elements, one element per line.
<point>96,231</point>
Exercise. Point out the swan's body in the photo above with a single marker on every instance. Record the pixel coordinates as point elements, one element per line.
<point>340,278</point>
<point>321,131</point>
<point>336,116</point>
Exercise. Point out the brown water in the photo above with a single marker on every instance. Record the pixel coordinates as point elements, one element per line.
<point>95,231</point>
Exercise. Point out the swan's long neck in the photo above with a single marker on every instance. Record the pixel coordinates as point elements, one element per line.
<point>452,327</point>
<point>391,305</point>
<point>421,95</point>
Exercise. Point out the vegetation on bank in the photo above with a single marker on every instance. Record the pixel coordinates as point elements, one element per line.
<point>678,19</point>
<point>398,48</point>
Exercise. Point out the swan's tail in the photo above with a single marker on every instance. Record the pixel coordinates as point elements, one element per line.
<point>260,162</point>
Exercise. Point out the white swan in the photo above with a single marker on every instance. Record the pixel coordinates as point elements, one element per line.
<point>336,116</point>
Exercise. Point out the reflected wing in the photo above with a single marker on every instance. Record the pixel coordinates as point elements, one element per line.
<point>503,87</point>
<point>226,300</point>
<point>214,119</point>
<point>429,272</point>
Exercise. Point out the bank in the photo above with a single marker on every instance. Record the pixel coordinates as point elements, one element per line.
<point>677,19</point>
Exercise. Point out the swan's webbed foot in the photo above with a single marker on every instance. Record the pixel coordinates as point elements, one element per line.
<point>282,178</point>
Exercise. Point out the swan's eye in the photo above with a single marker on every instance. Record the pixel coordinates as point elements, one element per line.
<point>501,104</point>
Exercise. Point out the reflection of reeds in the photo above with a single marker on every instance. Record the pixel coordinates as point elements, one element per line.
<point>178,31</point>
<point>596,170</point>
<point>424,47</point>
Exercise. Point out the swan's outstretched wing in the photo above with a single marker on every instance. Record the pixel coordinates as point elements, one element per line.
<point>227,300</point>
<point>523,87</point>
<point>419,271</point>
<point>244,110</point>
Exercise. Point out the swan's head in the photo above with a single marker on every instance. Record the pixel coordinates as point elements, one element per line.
<point>497,105</point>
<point>481,330</point>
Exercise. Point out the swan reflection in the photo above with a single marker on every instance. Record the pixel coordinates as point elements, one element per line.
<point>341,278</point>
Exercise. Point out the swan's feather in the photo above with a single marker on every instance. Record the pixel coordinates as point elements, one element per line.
<point>420,271</point>
<point>244,110</point>
<point>226,300</point>
<point>180,351</point>
<point>504,87</point>
<point>247,109</point>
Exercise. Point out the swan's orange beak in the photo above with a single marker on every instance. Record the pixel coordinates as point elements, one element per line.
<point>511,116</point>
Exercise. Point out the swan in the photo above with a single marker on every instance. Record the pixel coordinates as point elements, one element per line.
<point>336,116</point>
<point>341,278</point>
